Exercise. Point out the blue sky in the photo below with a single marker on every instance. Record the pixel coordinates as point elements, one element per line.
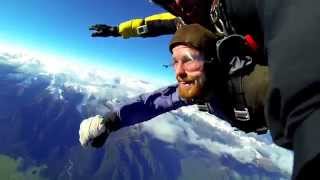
<point>60,27</point>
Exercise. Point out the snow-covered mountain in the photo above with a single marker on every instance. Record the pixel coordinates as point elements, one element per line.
<point>42,103</point>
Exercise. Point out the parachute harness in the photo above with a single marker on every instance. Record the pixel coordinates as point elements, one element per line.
<point>237,65</point>
<point>219,19</point>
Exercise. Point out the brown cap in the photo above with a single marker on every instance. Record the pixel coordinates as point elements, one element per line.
<point>196,36</point>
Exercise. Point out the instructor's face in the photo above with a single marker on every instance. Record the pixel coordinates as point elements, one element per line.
<point>189,69</point>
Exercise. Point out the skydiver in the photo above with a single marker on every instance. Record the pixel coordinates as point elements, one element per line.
<point>237,97</point>
<point>287,33</point>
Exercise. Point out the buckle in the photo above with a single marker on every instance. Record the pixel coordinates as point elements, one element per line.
<point>230,46</point>
<point>203,107</point>
<point>242,115</point>
<point>142,29</point>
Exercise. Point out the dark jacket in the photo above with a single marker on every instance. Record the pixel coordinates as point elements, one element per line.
<point>289,32</point>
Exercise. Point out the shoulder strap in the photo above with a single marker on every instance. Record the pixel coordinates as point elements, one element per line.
<point>240,107</point>
<point>219,18</point>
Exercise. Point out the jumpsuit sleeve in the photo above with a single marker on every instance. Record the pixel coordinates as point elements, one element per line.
<point>147,106</point>
<point>151,26</point>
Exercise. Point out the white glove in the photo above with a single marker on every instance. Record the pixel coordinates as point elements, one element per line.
<point>90,129</point>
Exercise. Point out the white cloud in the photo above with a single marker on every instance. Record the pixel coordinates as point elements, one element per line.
<point>197,128</point>
<point>164,129</point>
<point>89,79</point>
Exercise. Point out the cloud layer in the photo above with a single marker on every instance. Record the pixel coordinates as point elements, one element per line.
<point>219,138</point>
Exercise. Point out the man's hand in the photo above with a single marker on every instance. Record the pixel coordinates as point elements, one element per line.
<point>102,30</point>
<point>91,130</point>
<point>95,130</point>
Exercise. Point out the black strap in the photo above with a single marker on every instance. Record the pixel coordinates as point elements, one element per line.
<point>203,107</point>
<point>223,15</point>
<point>240,107</point>
<point>219,19</point>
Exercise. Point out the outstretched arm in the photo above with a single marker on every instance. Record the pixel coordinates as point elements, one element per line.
<point>95,130</point>
<point>155,25</point>
<point>150,105</point>
<point>103,30</point>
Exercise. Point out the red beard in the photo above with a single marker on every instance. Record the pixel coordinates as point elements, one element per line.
<point>191,87</point>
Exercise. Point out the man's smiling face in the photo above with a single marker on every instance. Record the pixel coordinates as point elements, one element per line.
<point>189,69</point>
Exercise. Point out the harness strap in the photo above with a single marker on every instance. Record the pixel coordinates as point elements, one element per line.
<point>219,19</point>
<point>240,107</point>
<point>203,107</point>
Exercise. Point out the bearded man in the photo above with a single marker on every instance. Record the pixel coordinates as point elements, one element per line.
<point>236,97</point>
